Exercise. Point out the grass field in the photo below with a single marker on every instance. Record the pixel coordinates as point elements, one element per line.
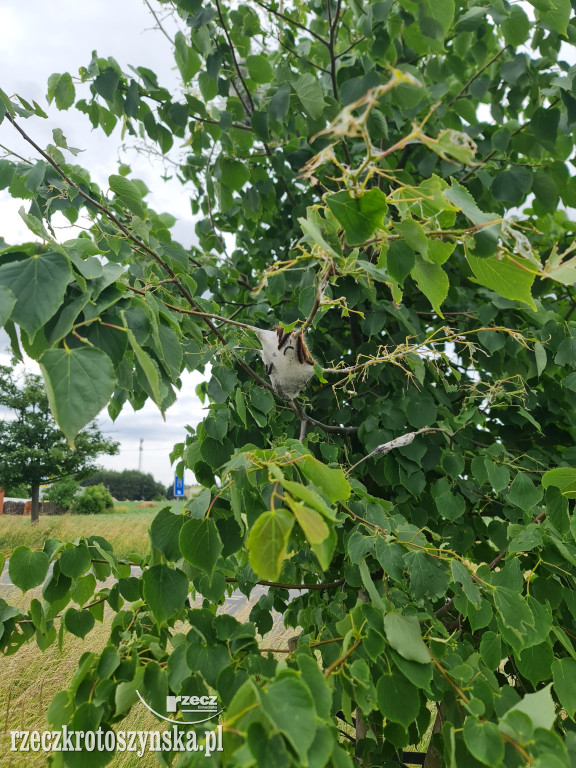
<point>126,528</point>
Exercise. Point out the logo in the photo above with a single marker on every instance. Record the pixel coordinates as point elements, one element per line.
<point>192,709</point>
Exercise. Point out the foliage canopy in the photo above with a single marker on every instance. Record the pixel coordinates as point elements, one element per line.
<point>352,167</point>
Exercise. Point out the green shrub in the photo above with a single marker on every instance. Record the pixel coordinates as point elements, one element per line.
<point>62,492</point>
<point>19,491</point>
<point>93,501</point>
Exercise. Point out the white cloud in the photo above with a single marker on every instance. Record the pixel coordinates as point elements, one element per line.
<point>39,38</point>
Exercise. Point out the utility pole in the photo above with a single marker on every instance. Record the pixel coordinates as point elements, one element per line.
<point>140,455</point>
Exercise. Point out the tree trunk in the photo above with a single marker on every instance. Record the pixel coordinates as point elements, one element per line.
<point>35,509</point>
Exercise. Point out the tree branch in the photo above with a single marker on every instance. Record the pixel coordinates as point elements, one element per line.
<point>477,74</point>
<point>297,407</point>
<point>247,110</point>
<point>341,659</point>
<point>109,215</point>
<point>329,585</point>
<point>303,27</point>
<point>160,26</point>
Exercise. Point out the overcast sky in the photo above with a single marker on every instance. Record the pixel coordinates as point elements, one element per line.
<point>39,38</point>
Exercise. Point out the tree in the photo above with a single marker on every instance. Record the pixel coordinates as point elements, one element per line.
<point>34,449</point>
<point>128,484</point>
<point>365,159</point>
<point>63,492</point>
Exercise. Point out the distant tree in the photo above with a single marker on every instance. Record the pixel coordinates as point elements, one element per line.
<point>17,490</point>
<point>33,448</point>
<point>62,492</point>
<point>128,484</point>
<point>93,501</point>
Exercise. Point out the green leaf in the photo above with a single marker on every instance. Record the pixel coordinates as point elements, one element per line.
<point>332,482</point>
<point>512,186</point>
<point>79,623</point>
<point>38,283</point>
<point>516,27</point>
<point>557,16</point>
<point>535,662</point>
<point>267,543</point>
<point>289,705</point>
<point>7,303</point>
<point>129,192</point>
<point>165,532</point>
<point>280,103</point>
<point>428,580</point>
<point>564,676</point>
<point>462,575</point>
<point>311,96</point>
<point>27,568</point>
<point>311,522</point>
<point>563,478</point>
<point>234,173</point>
<point>541,357</point>
<point>512,281</point>
<point>514,613</point>
<point>404,635</point>
<point>75,561</point>
<point>498,474</point>
<point>432,281</point>
<point>165,591</point>
<point>200,543</point>
<point>523,492</point>
<point>308,495</point>
<point>484,741</point>
<point>148,366</point>
<point>359,216</point>
<point>259,69</point>
<point>398,699</point>
<point>491,649</point>
<point>79,383</point>
<point>61,89</point>
<point>539,707</point>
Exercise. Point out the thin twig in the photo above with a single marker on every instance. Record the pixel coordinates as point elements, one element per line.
<point>298,408</point>
<point>303,27</point>
<point>341,659</point>
<point>125,231</point>
<point>236,65</point>
<point>466,85</point>
<point>160,26</point>
<point>280,585</point>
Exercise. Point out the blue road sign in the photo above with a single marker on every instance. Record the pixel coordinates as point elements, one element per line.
<point>178,486</point>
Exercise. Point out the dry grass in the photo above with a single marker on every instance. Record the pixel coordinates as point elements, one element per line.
<point>31,678</point>
<point>127,531</point>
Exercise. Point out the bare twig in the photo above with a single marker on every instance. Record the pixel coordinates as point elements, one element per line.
<point>280,585</point>
<point>303,27</point>
<point>159,23</point>
<point>477,74</point>
<point>248,108</point>
<point>297,407</point>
